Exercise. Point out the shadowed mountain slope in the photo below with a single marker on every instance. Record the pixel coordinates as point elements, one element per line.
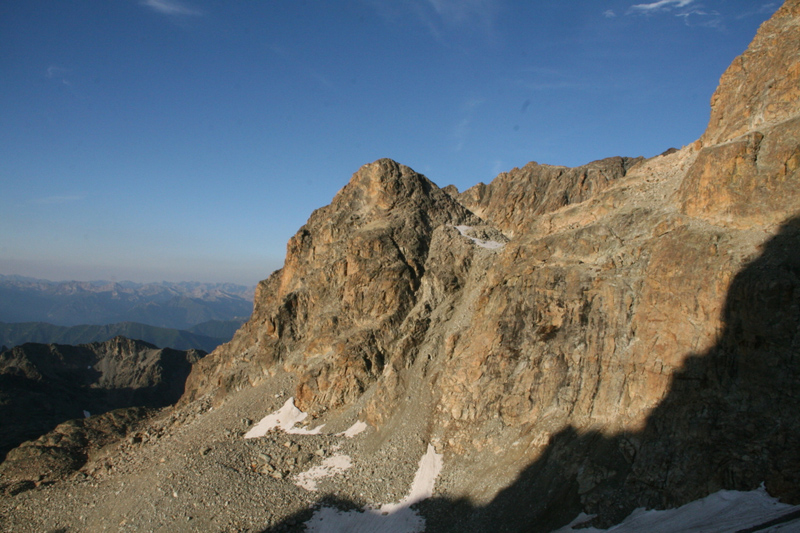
<point>42,385</point>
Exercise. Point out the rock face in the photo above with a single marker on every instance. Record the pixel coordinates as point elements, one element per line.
<point>517,197</point>
<point>630,334</point>
<point>337,311</point>
<point>45,384</point>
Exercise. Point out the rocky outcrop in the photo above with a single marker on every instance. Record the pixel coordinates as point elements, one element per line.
<point>333,314</point>
<point>746,171</point>
<point>42,385</point>
<point>515,198</point>
<point>759,89</point>
<point>64,450</point>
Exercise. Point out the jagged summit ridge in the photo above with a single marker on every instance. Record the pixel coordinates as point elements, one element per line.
<point>759,89</point>
<point>351,275</point>
<point>515,198</point>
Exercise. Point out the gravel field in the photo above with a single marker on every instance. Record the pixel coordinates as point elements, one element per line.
<point>191,469</point>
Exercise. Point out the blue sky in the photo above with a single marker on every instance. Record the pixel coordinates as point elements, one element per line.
<point>182,140</point>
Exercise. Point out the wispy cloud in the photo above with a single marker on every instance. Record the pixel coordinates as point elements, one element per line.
<point>295,62</point>
<point>769,8</point>
<point>171,7</point>
<point>609,14</point>
<point>441,16</point>
<point>692,13</point>
<point>64,199</point>
<point>54,72</point>
<point>700,17</point>
<point>462,130</point>
<point>661,5</point>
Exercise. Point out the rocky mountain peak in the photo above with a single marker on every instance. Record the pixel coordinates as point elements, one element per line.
<point>385,183</point>
<point>123,346</point>
<point>351,275</point>
<point>761,87</point>
<point>745,174</point>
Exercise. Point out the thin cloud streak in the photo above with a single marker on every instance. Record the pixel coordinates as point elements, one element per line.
<point>770,8</point>
<point>57,73</point>
<point>692,14</point>
<point>171,7</point>
<point>661,5</point>
<point>456,12</point>
<point>441,16</point>
<point>462,130</point>
<point>715,20</point>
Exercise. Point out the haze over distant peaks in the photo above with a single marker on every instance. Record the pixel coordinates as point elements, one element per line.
<point>170,305</point>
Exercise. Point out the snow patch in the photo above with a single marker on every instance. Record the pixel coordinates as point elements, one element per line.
<point>726,511</point>
<point>390,518</point>
<point>491,245</point>
<point>285,418</point>
<point>330,467</point>
<point>353,430</point>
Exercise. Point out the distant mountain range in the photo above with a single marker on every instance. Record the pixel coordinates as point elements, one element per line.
<point>205,336</point>
<point>166,305</point>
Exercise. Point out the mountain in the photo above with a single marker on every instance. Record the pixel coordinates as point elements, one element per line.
<point>205,336</point>
<point>42,385</point>
<point>559,346</point>
<point>167,305</point>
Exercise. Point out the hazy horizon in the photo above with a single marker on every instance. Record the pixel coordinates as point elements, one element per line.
<point>109,274</point>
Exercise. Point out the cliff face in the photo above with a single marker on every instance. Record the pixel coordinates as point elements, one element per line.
<point>352,274</point>
<point>620,334</point>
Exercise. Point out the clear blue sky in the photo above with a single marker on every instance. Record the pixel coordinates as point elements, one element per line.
<point>189,139</point>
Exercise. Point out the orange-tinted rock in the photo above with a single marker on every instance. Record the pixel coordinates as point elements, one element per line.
<point>585,326</point>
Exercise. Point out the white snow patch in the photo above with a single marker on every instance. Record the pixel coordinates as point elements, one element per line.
<point>491,245</point>
<point>353,430</point>
<point>330,520</point>
<point>336,464</point>
<point>390,518</point>
<point>285,418</point>
<point>726,511</point>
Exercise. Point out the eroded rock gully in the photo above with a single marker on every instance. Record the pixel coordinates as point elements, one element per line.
<point>621,334</point>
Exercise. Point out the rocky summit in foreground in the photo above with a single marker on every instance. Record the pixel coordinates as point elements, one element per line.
<point>560,341</point>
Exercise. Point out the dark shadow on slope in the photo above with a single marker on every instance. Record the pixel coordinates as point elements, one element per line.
<point>731,420</point>
<point>50,384</point>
